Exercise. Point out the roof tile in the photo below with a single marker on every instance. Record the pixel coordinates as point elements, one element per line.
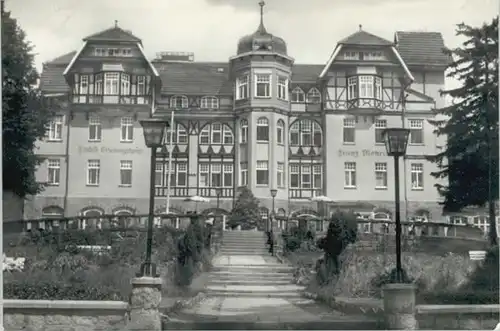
<point>362,37</point>
<point>113,34</point>
<point>422,48</point>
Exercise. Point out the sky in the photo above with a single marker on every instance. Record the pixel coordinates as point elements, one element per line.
<point>211,28</point>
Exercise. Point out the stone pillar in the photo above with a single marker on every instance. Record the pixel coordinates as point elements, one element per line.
<point>399,306</point>
<point>145,303</point>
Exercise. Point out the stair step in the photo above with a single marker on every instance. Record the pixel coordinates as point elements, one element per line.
<point>253,267</point>
<point>249,282</point>
<point>257,288</point>
<point>255,275</point>
<point>247,294</point>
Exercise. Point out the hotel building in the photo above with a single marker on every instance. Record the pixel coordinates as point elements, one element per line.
<point>258,120</point>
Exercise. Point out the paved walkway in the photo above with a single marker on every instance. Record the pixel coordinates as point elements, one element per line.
<point>255,291</point>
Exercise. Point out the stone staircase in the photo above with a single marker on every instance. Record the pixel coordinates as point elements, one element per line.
<point>236,273</point>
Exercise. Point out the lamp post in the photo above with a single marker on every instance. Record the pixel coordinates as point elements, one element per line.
<point>273,195</point>
<point>396,141</point>
<point>154,131</point>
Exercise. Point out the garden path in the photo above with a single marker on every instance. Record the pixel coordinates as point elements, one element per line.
<point>249,289</point>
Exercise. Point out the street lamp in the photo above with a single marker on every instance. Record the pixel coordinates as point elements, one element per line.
<point>273,194</point>
<point>396,140</point>
<point>154,131</point>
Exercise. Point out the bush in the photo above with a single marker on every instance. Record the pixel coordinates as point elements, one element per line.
<point>458,298</point>
<point>342,231</point>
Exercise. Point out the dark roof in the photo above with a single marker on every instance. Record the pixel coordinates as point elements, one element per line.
<point>194,77</point>
<point>113,34</point>
<point>63,59</point>
<point>52,79</point>
<point>422,48</point>
<point>264,40</point>
<point>306,72</point>
<point>365,38</point>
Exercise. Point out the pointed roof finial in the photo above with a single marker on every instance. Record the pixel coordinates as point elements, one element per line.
<point>360,27</point>
<point>262,29</point>
<point>116,23</point>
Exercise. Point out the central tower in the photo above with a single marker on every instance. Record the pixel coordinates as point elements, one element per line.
<point>261,73</point>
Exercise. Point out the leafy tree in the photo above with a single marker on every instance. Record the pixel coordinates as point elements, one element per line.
<point>24,118</point>
<point>245,211</point>
<point>470,158</point>
<point>342,231</point>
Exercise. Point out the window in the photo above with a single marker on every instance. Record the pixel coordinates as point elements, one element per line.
<point>99,85</point>
<point>380,175</point>
<point>366,87</point>
<point>262,85</point>
<point>317,176</point>
<point>459,220</point>
<point>180,136</point>
<point>306,133</point>
<point>298,95</point>
<point>294,176</point>
<point>417,176</point>
<point>227,169</point>
<point>84,84</point>
<point>282,88</point>
<point>179,102</point>
<point>159,174</point>
<point>111,83</point>
<point>280,132</point>
<point>94,128</point>
<point>209,103</point>
<point>306,176</point>
<point>380,126</point>
<point>264,212</point>
<point>280,178</point>
<point>54,128</point>
<point>351,55</point>
<point>262,173</point>
<point>350,174</point>
<point>93,172</point>
<point>262,130</point>
<point>416,132</point>
<point>349,130</point>
<point>242,88</point>
<point>216,175</point>
<point>126,173</point>
<point>204,175</point>
<point>127,129</point>
<point>54,171</point>
<point>313,96</point>
<point>100,51</point>
<point>378,88</point>
<point>243,174</point>
<point>352,88</point>
<point>181,174</point>
<point>125,84</point>
<point>373,56</point>
<point>216,133</point>
<point>244,131</point>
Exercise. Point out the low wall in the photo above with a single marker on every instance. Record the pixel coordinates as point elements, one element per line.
<point>430,317</point>
<point>48,315</point>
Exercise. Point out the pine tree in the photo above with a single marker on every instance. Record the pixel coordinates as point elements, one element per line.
<point>24,118</point>
<point>246,210</point>
<point>470,158</point>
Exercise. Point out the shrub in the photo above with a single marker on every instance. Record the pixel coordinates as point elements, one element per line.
<point>342,231</point>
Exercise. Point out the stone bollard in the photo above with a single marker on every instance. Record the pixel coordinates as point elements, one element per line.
<point>399,306</point>
<point>145,303</point>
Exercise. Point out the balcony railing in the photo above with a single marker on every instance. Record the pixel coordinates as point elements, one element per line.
<point>226,192</point>
<point>297,193</point>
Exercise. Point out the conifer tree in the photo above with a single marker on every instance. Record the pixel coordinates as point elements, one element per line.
<point>469,161</point>
<point>246,210</point>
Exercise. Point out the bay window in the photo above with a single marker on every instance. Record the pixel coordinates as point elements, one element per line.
<point>242,88</point>
<point>364,87</point>
<point>111,88</point>
<point>262,85</point>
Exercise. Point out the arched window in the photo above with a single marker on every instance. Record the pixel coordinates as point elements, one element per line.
<point>306,133</point>
<point>179,101</point>
<point>216,134</point>
<point>280,132</point>
<point>209,103</point>
<point>262,129</point>
<point>298,95</point>
<point>95,222</point>
<point>381,216</point>
<point>124,219</point>
<point>244,131</point>
<point>313,96</point>
<point>52,214</point>
<point>180,136</point>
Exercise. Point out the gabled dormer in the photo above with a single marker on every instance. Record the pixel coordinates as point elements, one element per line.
<point>111,68</point>
<point>365,75</point>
